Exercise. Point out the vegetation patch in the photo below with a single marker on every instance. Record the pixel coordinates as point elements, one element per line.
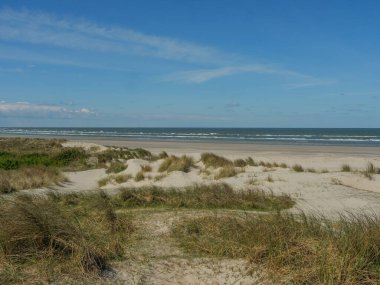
<point>53,239</point>
<point>28,178</point>
<point>118,178</point>
<point>28,145</point>
<point>64,158</point>
<point>226,171</point>
<point>212,160</point>
<point>298,249</point>
<point>139,176</point>
<point>113,154</point>
<point>116,167</point>
<point>370,170</point>
<point>174,163</point>
<point>240,162</point>
<point>250,161</point>
<point>298,168</point>
<point>203,196</point>
<point>346,168</point>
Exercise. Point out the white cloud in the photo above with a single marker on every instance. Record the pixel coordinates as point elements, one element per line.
<point>26,108</point>
<point>42,28</point>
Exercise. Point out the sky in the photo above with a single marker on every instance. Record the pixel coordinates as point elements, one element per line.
<point>195,63</point>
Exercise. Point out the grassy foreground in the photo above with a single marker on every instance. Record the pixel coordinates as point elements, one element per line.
<point>45,239</point>
<point>72,238</point>
<point>292,249</point>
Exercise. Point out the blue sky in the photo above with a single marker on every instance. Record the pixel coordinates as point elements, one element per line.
<point>190,63</point>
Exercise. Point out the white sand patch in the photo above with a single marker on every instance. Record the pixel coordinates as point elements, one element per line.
<point>180,179</point>
<point>134,166</point>
<point>83,180</point>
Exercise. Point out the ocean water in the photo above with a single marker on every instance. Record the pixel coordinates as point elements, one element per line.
<point>362,137</point>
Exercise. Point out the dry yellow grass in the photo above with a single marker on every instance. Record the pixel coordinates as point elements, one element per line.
<point>174,163</point>
<point>293,249</point>
<point>59,239</point>
<point>212,160</point>
<point>28,178</point>
<point>226,171</point>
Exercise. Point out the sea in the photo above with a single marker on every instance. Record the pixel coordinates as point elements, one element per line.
<point>302,136</point>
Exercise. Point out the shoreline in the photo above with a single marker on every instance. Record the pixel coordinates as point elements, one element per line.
<point>218,146</point>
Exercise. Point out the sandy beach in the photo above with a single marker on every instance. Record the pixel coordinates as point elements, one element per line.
<point>312,176</point>
<point>322,188</point>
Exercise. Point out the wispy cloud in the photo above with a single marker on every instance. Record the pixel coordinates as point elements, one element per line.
<point>203,75</point>
<point>26,108</point>
<point>41,28</point>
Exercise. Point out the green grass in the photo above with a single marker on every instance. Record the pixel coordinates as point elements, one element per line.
<point>33,163</point>
<point>174,163</point>
<point>64,158</point>
<point>219,196</point>
<point>298,249</point>
<point>55,240</point>
<point>215,161</point>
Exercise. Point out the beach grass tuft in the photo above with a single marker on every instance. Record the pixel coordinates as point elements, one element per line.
<point>297,168</point>
<point>299,249</point>
<point>174,163</point>
<point>212,160</point>
<point>240,162</point>
<point>139,176</point>
<point>28,178</point>
<point>346,168</point>
<point>250,161</point>
<point>226,171</point>
<point>48,240</point>
<point>116,167</point>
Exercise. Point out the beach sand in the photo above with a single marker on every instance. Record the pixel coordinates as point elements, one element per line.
<point>321,189</point>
